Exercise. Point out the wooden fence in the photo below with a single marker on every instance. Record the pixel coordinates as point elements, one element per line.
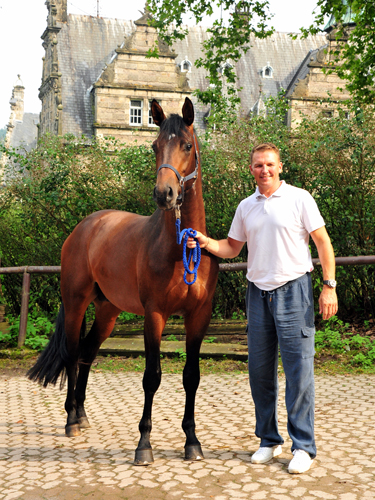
<point>226,267</point>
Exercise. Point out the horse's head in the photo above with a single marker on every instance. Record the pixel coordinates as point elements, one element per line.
<point>176,152</point>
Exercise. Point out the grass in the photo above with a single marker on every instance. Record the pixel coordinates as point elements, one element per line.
<point>17,361</point>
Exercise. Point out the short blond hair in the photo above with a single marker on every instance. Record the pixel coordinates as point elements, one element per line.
<point>265,146</point>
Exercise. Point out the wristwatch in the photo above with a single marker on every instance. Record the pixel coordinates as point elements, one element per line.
<point>330,283</point>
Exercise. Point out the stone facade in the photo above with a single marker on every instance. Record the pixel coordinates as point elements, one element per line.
<point>314,91</point>
<point>124,91</point>
<point>97,80</point>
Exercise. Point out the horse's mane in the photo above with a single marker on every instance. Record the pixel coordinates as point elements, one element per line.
<point>174,124</point>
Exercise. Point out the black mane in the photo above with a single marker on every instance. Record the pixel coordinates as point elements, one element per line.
<point>174,124</point>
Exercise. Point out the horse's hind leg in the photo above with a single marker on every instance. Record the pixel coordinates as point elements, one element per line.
<point>196,326</point>
<point>153,328</point>
<point>105,318</point>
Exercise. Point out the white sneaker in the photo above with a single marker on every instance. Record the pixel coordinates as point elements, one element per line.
<point>301,462</point>
<point>265,454</point>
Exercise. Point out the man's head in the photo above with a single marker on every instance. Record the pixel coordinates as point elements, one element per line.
<point>266,168</point>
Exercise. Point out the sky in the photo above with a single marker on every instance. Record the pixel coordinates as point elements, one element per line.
<point>22,22</point>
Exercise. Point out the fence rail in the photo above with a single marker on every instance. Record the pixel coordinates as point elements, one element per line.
<point>362,260</point>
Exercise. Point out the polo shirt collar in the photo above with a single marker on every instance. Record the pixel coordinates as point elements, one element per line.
<point>279,191</point>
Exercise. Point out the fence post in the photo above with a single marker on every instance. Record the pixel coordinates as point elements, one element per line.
<point>24,308</point>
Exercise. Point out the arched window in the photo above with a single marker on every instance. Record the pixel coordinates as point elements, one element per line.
<point>267,71</point>
<point>186,65</point>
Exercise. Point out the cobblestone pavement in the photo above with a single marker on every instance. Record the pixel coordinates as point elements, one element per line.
<point>38,462</point>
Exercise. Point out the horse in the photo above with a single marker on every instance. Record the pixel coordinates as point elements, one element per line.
<point>123,261</point>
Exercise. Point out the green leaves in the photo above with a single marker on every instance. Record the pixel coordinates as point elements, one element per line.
<point>226,43</point>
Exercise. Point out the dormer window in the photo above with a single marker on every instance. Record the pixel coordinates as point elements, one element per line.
<point>267,71</point>
<point>225,65</point>
<point>186,65</point>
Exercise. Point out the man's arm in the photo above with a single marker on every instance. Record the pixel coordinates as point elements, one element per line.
<point>328,298</point>
<point>225,249</point>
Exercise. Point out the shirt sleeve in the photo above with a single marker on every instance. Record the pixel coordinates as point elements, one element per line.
<point>237,229</point>
<point>311,216</point>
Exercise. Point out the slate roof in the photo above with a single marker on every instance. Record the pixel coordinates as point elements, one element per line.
<point>87,43</point>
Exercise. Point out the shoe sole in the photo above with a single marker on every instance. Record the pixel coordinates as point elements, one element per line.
<point>276,452</point>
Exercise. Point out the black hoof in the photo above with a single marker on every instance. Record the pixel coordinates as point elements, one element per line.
<point>72,430</point>
<point>83,423</point>
<point>143,457</point>
<point>193,452</point>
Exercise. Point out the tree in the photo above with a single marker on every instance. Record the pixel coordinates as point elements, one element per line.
<point>225,43</point>
<point>355,51</point>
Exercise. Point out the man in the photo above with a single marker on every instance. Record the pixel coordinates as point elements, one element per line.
<point>276,222</point>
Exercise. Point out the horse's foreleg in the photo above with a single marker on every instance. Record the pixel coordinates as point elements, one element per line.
<point>154,325</point>
<point>196,326</point>
<point>105,318</point>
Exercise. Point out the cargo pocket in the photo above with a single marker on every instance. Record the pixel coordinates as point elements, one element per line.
<point>308,341</point>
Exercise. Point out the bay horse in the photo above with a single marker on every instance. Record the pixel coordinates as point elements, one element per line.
<point>123,261</point>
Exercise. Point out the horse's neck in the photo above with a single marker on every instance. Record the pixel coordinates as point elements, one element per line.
<point>192,210</point>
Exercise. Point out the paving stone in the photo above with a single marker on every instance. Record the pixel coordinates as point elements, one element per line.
<point>38,462</point>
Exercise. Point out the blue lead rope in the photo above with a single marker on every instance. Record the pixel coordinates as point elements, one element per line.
<point>195,253</point>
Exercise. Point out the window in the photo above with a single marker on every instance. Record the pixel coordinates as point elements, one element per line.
<point>186,65</point>
<point>136,108</point>
<point>150,119</point>
<point>327,114</point>
<point>267,71</point>
<point>225,65</point>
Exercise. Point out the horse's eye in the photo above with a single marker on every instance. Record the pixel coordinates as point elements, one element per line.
<point>188,146</point>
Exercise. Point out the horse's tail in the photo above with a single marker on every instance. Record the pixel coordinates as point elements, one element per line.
<point>53,360</point>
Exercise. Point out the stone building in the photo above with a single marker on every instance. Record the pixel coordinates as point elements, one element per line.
<point>97,80</point>
<point>313,91</point>
<point>22,128</point>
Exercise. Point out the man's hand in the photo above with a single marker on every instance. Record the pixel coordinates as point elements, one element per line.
<point>328,302</point>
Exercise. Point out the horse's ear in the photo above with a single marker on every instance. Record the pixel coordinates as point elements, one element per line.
<point>188,112</point>
<point>157,113</point>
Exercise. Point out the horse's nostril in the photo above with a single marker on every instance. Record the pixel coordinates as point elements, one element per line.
<point>170,194</point>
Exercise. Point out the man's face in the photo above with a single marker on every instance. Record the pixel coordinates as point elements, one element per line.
<point>266,168</point>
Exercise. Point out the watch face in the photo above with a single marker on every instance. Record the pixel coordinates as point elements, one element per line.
<point>330,283</point>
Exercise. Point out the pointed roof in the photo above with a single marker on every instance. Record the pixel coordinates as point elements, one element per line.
<point>347,20</point>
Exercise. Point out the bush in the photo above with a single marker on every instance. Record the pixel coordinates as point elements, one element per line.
<point>62,181</point>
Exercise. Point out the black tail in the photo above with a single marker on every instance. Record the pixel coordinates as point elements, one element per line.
<point>53,360</point>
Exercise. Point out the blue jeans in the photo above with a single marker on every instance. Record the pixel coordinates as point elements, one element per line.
<point>283,317</point>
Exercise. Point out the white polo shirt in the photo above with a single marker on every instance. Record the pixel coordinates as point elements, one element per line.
<point>276,230</point>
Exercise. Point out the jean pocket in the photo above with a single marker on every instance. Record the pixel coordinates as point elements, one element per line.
<point>308,342</point>
<point>308,331</point>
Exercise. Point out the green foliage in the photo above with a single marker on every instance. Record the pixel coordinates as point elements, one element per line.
<point>337,337</point>
<point>227,41</point>
<point>125,317</point>
<point>181,354</point>
<point>172,338</point>
<point>39,328</point>
<point>56,186</point>
<point>66,180</point>
<point>210,340</point>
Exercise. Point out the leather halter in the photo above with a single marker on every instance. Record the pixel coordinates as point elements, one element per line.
<point>182,180</point>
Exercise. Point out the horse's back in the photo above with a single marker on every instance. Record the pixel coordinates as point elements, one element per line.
<point>96,251</point>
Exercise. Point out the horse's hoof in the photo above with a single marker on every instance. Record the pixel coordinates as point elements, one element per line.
<point>143,457</point>
<point>83,423</point>
<point>72,430</point>
<point>193,452</point>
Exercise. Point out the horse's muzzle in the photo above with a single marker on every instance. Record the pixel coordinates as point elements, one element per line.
<point>165,198</point>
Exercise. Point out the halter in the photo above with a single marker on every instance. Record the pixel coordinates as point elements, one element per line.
<point>182,180</point>
<point>182,236</point>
